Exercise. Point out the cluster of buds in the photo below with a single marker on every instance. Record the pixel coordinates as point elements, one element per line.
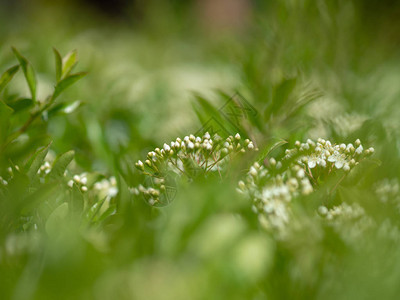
<point>188,157</point>
<point>271,194</point>
<point>388,192</point>
<point>272,188</point>
<point>106,188</point>
<point>3,181</point>
<point>80,181</point>
<point>325,155</point>
<point>44,169</point>
<point>350,221</point>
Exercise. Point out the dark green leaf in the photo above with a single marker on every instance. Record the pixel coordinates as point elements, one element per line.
<point>28,72</point>
<point>21,104</point>
<point>44,192</point>
<point>7,76</point>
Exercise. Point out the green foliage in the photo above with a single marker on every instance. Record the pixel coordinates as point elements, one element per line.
<point>75,219</point>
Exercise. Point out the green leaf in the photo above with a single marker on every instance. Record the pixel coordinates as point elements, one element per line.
<point>44,192</point>
<point>5,114</point>
<point>66,82</point>
<point>68,63</point>
<point>58,59</point>
<point>21,104</point>
<point>7,76</point>
<point>76,200</point>
<point>268,149</point>
<point>55,221</point>
<point>28,72</point>
<point>64,108</point>
<point>61,164</point>
<point>34,163</point>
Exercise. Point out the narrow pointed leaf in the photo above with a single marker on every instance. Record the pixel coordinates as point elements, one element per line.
<point>68,63</point>
<point>58,60</point>
<point>33,165</point>
<point>66,82</point>
<point>61,164</point>
<point>7,76</point>
<point>5,114</point>
<point>28,72</point>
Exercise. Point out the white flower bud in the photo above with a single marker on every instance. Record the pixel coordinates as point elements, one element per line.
<point>272,161</point>
<point>253,171</point>
<point>77,178</point>
<point>207,136</point>
<point>322,210</point>
<point>70,183</point>
<point>250,146</point>
<point>166,147</point>
<point>84,180</point>
<point>190,145</point>
<point>360,149</point>
<point>237,136</point>
<point>84,188</point>
<point>242,185</point>
<point>300,174</point>
<point>346,167</point>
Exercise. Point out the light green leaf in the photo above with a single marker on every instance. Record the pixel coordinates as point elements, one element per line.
<point>66,82</point>
<point>56,218</point>
<point>267,150</point>
<point>61,164</point>
<point>76,200</point>
<point>5,114</point>
<point>28,72</point>
<point>58,59</point>
<point>68,63</point>
<point>7,76</point>
<point>33,165</point>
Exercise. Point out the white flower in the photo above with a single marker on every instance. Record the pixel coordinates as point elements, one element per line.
<point>338,159</point>
<point>313,160</point>
<point>360,149</point>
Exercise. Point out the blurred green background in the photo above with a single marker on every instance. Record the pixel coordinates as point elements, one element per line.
<point>313,69</point>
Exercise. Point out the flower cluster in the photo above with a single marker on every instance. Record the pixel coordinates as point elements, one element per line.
<point>187,157</point>
<point>388,192</point>
<point>350,221</point>
<point>271,194</point>
<point>324,154</point>
<point>271,188</point>
<point>80,181</point>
